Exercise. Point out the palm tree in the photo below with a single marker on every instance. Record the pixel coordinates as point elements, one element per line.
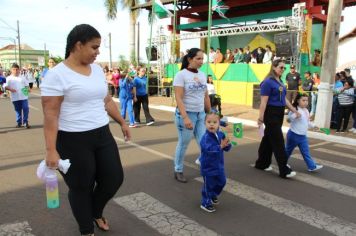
<point>111,6</point>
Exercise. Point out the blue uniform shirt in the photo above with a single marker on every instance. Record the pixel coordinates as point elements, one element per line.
<point>212,156</point>
<point>140,84</point>
<point>126,88</point>
<point>275,91</point>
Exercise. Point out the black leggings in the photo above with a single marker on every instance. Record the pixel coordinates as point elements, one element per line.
<point>344,114</point>
<point>95,173</point>
<point>273,141</point>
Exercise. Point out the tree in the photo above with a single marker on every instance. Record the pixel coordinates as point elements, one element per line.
<point>123,63</point>
<point>111,6</point>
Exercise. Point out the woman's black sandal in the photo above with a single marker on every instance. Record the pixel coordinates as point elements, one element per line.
<point>97,224</point>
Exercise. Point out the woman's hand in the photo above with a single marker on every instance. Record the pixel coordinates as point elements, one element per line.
<point>52,158</point>
<point>187,123</point>
<point>135,99</point>
<point>259,121</point>
<point>126,132</point>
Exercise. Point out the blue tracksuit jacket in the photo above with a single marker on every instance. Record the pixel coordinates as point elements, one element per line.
<point>212,156</point>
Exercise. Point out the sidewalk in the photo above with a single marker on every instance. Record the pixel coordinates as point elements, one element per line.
<point>248,116</point>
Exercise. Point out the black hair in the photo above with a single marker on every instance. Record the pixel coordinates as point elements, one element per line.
<point>296,100</point>
<point>350,82</point>
<point>15,65</point>
<point>207,78</point>
<point>80,33</point>
<point>347,70</point>
<point>307,72</point>
<point>190,54</point>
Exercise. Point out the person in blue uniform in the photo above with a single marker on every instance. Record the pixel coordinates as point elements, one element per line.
<point>213,144</point>
<point>127,95</point>
<point>273,103</point>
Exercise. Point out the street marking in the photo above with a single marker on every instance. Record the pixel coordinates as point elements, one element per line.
<point>34,108</point>
<point>331,164</point>
<point>16,229</point>
<point>292,209</point>
<point>319,144</point>
<point>345,146</point>
<point>194,166</point>
<point>322,183</point>
<point>161,217</point>
<point>328,151</point>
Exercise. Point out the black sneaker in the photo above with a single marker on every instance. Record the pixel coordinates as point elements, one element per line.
<point>27,126</point>
<point>215,200</point>
<point>209,209</point>
<point>18,126</point>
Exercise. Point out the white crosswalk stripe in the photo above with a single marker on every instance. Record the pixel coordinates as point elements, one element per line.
<point>16,229</point>
<point>335,153</point>
<point>349,147</point>
<point>161,217</point>
<point>292,209</point>
<point>322,183</point>
<point>331,164</point>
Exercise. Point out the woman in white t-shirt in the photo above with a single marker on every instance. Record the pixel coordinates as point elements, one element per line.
<point>192,102</point>
<point>76,106</point>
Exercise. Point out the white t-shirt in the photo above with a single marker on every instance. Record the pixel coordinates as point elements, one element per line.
<point>300,125</point>
<point>194,85</point>
<point>211,89</point>
<point>83,106</point>
<point>20,84</point>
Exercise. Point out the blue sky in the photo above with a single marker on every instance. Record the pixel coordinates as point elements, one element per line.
<point>50,21</point>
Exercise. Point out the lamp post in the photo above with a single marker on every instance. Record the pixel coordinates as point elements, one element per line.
<point>18,36</point>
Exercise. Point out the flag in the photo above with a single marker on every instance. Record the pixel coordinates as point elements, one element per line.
<point>325,130</point>
<point>220,7</point>
<point>238,131</point>
<point>160,10</point>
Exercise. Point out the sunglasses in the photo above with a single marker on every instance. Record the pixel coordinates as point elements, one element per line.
<point>281,67</point>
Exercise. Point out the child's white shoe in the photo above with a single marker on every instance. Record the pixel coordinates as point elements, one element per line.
<point>197,161</point>
<point>317,167</point>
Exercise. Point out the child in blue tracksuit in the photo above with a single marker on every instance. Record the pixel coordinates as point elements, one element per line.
<point>297,134</point>
<point>126,96</point>
<point>213,144</point>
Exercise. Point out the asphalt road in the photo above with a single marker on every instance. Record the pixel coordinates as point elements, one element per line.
<point>151,202</point>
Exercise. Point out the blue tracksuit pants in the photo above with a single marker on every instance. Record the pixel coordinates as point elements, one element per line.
<point>212,187</point>
<point>301,141</point>
<point>126,105</point>
<point>22,110</point>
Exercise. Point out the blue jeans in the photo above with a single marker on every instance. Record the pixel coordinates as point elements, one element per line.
<point>126,104</point>
<point>354,115</point>
<point>22,110</point>
<point>314,99</point>
<point>185,135</point>
<point>301,141</point>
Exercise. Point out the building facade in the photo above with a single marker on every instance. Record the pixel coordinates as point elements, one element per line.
<point>30,58</point>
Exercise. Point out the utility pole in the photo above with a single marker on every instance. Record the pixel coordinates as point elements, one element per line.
<point>110,62</point>
<point>138,43</point>
<point>18,40</point>
<point>328,67</point>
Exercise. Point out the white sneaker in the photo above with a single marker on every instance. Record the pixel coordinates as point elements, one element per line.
<point>317,167</point>
<point>197,161</point>
<point>150,123</point>
<point>352,130</point>
<point>291,174</point>
<point>270,168</point>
